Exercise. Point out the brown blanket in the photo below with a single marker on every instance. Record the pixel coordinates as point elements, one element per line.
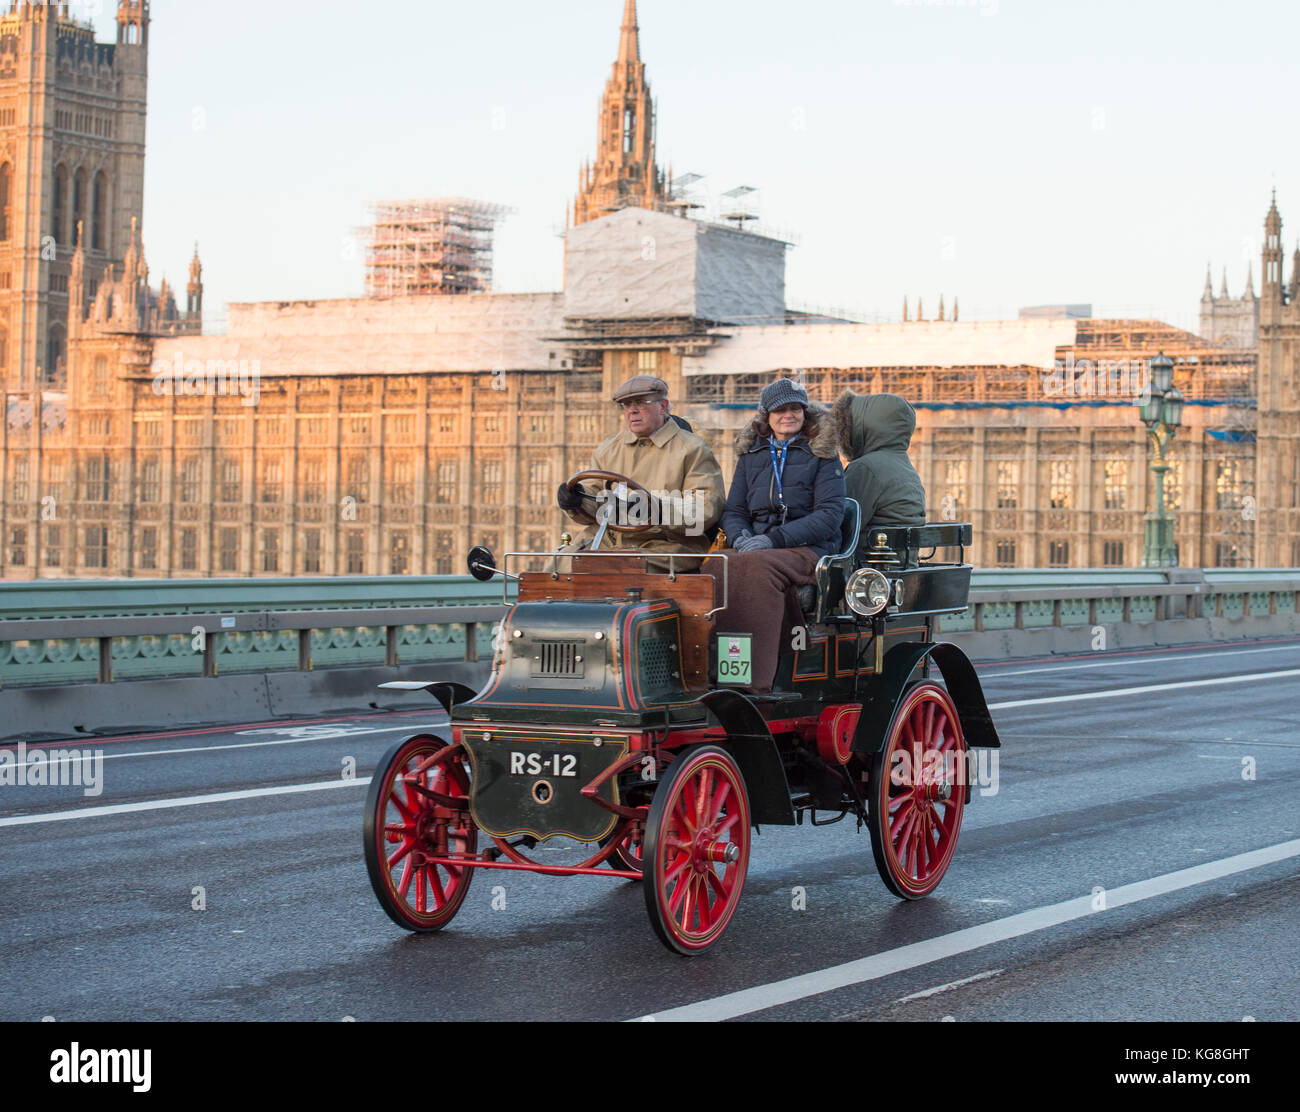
<point>763,599</point>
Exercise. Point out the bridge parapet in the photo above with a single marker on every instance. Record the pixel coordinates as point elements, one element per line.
<point>316,646</point>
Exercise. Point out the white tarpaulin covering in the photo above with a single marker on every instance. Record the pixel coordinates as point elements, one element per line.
<point>415,335</point>
<point>638,264</point>
<point>764,350</point>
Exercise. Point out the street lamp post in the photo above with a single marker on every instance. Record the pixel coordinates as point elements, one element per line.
<point>1161,407</point>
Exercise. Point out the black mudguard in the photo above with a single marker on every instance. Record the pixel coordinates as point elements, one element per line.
<point>885,693</point>
<point>451,695</point>
<point>753,748</point>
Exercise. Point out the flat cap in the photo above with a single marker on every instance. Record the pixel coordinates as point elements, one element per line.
<point>640,387</point>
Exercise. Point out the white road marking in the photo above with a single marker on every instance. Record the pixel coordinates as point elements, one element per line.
<point>55,747</point>
<point>917,954</point>
<point>183,801</point>
<point>1171,658</point>
<point>927,993</point>
<point>1121,692</point>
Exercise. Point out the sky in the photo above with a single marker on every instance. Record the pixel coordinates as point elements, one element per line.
<point>1006,152</point>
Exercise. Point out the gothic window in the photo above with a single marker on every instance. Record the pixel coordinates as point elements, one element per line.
<point>356,553</point>
<point>189,550</point>
<point>629,129</point>
<point>399,554</point>
<point>53,546</point>
<point>18,545</point>
<point>54,354</point>
<point>1116,484</point>
<point>97,480</point>
<point>1008,485</point>
<point>311,552</point>
<point>444,493</point>
<point>492,484</point>
<point>97,547</point>
<point>956,478</point>
<point>78,205</point>
<point>1174,486</point>
<point>401,481</point>
<point>539,483</point>
<point>99,218</point>
<point>1058,554</point>
<point>60,215</point>
<point>1112,554</point>
<point>149,548</point>
<point>1006,554</point>
<point>359,478</point>
<point>191,479</point>
<point>1227,487</point>
<point>229,550</point>
<point>150,481</point>
<point>442,547</point>
<point>6,202</point>
<point>1061,488</point>
<point>18,481</point>
<point>270,551</point>
<point>272,481</point>
<point>311,480</point>
<point>4,349</point>
<point>99,377</point>
<point>231,487</point>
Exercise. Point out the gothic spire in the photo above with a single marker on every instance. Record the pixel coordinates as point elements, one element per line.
<point>1225,294</point>
<point>629,43</point>
<point>1209,284</point>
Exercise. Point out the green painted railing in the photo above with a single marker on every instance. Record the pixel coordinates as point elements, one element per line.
<point>98,632</point>
<point>56,633</point>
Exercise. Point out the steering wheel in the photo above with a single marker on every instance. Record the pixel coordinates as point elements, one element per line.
<point>609,478</point>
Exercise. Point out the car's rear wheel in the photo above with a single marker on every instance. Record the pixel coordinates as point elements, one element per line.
<point>916,793</point>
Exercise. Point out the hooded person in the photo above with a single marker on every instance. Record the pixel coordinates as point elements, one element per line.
<point>785,511</point>
<point>875,433</point>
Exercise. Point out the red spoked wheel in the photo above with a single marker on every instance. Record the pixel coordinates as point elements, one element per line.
<point>916,793</point>
<point>697,849</point>
<point>417,810</point>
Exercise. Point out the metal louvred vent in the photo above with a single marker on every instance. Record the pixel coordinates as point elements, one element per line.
<point>558,658</point>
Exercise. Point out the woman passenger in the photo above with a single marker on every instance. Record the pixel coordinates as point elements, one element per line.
<point>784,513</point>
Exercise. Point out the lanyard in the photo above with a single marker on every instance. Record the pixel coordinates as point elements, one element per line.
<point>778,467</point>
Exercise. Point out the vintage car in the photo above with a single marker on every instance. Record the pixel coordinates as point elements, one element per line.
<point>613,718</point>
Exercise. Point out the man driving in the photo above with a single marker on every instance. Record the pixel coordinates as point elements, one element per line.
<point>677,467</point>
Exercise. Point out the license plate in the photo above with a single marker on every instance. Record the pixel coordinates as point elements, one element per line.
<point>560,765</point>
<point>735,659</point>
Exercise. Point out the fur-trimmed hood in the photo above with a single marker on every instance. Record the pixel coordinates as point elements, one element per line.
<point>825,446</point>
<point>873,423</point>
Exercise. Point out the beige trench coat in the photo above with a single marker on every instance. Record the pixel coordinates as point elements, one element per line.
<point>670,464</point>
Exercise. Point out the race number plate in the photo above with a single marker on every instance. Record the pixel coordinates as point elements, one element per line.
<point>735,658</point>
<point>530,782</point>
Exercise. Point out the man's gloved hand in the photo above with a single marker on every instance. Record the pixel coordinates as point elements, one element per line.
<point>754,544</point>
<point>568,499</point>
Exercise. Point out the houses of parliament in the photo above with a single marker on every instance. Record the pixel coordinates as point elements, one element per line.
<point>385,435</point>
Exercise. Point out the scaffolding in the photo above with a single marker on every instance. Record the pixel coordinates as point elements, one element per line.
<point>431,247</point>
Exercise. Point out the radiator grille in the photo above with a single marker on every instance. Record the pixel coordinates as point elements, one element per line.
<point>558,658</point>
